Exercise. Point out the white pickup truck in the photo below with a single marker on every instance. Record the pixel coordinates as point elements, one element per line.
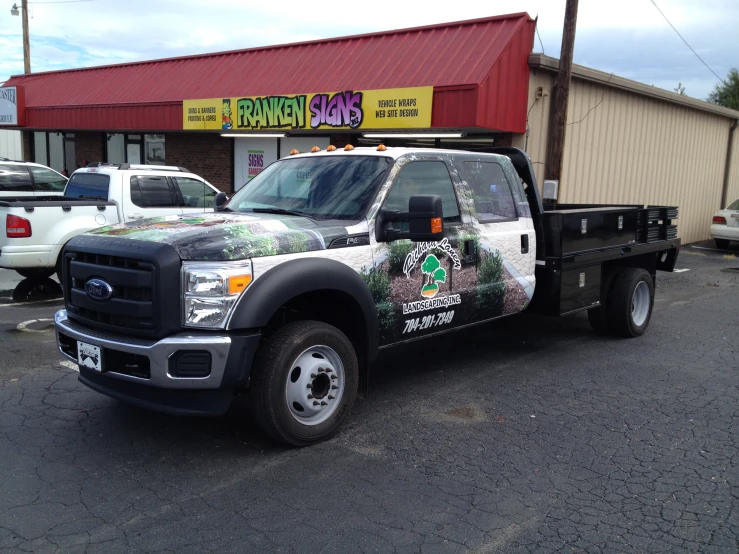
<point>36,229</point>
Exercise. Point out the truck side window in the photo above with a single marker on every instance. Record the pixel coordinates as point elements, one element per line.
<point>148,191</point>
<point>491,191</point>
<point>195,194</point>
<point>14,178</point>
<point>47,180</point>
<point>424,177</point>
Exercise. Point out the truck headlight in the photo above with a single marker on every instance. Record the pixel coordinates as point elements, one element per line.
<point>210,291</point>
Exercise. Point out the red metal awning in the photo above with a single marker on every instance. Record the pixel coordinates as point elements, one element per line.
<point>478,69</point>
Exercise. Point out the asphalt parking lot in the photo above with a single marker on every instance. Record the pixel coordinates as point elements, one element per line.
<point>532,435</point>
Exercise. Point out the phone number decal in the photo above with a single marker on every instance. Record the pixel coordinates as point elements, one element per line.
<point>421,323</point>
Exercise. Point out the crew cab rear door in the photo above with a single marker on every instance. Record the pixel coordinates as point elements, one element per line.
<point>505,236</point>
<point>146,195</point>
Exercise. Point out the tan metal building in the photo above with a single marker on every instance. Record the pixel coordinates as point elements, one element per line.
<point>630,143</point>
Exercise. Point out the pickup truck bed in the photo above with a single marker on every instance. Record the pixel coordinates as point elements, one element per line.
<point>580,245</point>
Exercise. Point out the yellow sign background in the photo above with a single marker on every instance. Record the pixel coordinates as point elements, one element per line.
<point>400,108</point>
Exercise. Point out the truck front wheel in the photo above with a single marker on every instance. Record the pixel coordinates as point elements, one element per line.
<point>631,303</point>
<point>304,382</point>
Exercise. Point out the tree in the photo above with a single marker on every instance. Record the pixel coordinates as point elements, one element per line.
<point>726,93</point>
<point>680,89</point>
<point>432,267</point>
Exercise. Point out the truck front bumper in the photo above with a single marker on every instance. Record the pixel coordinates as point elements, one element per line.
<point>152,374</point>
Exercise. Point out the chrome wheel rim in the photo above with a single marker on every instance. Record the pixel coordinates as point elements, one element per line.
<point>640,304</point>
<point>315,385</point>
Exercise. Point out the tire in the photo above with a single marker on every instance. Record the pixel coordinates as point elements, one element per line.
<point>304,382</point>
<point>723,244</point>
<point>631,304</point>
<point>36,273</point>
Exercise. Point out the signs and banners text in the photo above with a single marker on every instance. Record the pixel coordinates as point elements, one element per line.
<point>402,108</point>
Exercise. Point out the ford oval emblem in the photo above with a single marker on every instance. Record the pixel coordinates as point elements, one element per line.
<point>99,290</point>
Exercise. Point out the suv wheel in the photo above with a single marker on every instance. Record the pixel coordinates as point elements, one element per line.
<point>723,244</point>
<point>36,273</point>
<point>304,382</point>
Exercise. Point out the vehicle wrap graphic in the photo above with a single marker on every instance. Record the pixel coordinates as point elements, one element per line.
<point>418,288</point>
<point>215,237</point>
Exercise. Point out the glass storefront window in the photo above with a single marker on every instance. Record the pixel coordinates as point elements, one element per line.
<point>154,149</point>
<point>116,149</point>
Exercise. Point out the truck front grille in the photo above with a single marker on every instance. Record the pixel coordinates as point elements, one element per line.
<point>131,305</point>
<point>145,287</point>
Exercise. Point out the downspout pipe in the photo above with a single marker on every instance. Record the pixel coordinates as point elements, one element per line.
<point>727,165</point>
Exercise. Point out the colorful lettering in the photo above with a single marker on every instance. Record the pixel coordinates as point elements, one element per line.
<point>343,109</point>
<point>271,112</point>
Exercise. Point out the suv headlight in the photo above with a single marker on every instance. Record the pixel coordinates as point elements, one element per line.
<point>210,291</point>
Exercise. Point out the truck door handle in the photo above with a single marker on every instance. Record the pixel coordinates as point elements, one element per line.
<point>524,244</point>
<point>135,216</point>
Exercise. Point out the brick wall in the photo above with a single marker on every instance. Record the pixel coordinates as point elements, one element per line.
<point>88,147</point>
<point>207,155</point>
<point>27,146</point>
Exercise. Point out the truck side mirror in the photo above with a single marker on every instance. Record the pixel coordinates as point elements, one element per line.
<point>424,216</point>
<point>221,199</point>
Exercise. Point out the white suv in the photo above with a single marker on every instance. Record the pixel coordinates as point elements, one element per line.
<point>36,229</point>
<point>29,179</point>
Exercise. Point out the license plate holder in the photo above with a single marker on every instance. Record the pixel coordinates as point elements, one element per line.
<point>89,356</point>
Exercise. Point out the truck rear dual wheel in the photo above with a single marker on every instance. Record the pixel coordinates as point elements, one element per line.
<point>304,382</point>
<point>628,304</point>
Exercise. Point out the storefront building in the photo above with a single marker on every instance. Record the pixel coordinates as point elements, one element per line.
<point>228,115</point>
<point>470,85</point>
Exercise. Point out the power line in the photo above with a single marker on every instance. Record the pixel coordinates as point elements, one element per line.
<point>686,42</point>
<point>536,26</point>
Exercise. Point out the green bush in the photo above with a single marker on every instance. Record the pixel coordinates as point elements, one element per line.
<point>378,282</point>
<point>491,289</point>
<point>398,252</point>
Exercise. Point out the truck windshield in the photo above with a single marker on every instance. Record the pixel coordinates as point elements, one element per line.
<point>321,187</point>
<point>87,185</point>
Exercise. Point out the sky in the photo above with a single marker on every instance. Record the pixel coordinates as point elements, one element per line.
<point>626,37</point>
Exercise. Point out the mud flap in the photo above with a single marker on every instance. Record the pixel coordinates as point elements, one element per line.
<point>667,259</point>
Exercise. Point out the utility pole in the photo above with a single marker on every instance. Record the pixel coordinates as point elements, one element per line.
<point>26,40</point>
<point>560,93</point>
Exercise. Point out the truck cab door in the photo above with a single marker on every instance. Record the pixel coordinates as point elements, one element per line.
<point>505,237</point>
<point>194,195</point>
<point>422,281</point>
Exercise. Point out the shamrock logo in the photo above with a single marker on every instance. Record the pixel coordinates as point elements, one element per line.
<point>436,274</point>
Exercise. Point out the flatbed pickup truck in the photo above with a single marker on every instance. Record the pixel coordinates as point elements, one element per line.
<point>37,228</point>
<point>288,292</point>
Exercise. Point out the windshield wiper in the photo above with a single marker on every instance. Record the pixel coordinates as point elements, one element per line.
<point>282,211</point>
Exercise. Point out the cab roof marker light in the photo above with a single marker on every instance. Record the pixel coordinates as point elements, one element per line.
<point>348,147</point>
<point>315,149</point>
<point>330,148</point>
<point>294,151</point>
<point>381,147</point>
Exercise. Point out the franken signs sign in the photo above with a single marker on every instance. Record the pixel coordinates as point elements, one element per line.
<point>12,108</point>
<point>402,108</point>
